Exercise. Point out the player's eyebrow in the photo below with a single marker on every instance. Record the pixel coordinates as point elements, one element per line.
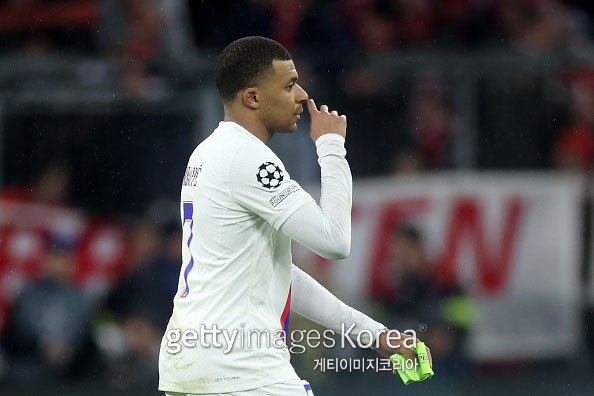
<point>293,79</point>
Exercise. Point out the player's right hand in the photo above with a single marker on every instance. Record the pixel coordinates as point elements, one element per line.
<point>323,121</point>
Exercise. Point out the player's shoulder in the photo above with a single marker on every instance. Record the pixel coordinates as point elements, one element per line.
<point>229,138</point>
<point>246,149</point>
<point>231,150</point>
<point>251,152</point>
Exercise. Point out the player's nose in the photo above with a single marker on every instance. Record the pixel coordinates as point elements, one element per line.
<point>301,96</point>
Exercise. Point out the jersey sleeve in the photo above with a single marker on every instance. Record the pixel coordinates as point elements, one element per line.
<point>326,229</point>
<point>315,302</point>
<point>259,182</point>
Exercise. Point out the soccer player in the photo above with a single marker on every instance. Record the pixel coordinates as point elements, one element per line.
<point>240,209</point>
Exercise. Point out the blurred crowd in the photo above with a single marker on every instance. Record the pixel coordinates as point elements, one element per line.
<point>384,25</point>
<point>82,297</point>
<point>64,318</point>
<point>135,29</point>
<point>412,118</point>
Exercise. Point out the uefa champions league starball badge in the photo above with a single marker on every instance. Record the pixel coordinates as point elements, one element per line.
<point>269,175</point>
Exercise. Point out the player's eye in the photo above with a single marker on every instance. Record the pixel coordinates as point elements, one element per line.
<point>291,86</point>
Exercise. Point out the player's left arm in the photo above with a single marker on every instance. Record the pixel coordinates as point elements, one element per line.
<point>313,301</point>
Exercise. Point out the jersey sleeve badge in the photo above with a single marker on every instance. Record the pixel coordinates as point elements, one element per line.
<point>269,175</point>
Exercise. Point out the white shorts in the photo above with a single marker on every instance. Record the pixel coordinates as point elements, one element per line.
<point>288,388</point>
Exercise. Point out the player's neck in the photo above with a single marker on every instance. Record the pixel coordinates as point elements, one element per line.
<point>253,126</point>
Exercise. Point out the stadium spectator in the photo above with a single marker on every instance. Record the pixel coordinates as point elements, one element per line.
<point>536,25</point>
<point>51,186</point>
<point>50,339</point>
<point>425,143</point>
<point>431,122</point>
<point>152,274</point>
<point>142,302</point>
<point>143,25</point>
<point>41,26</point>
<point>382,25</point>
<point>574,146</point>
<point>417,299</point>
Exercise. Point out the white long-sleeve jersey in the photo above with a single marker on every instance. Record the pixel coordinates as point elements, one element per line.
<point>239,210</point>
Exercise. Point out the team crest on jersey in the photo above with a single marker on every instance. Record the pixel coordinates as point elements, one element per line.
<point>269,175</point>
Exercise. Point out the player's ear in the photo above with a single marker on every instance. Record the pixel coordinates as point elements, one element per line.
<point>250,98</point>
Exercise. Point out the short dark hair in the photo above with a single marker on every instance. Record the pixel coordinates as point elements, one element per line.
<point>244,62</point>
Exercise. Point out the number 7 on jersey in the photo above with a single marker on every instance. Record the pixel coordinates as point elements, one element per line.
<point>188,212</point>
